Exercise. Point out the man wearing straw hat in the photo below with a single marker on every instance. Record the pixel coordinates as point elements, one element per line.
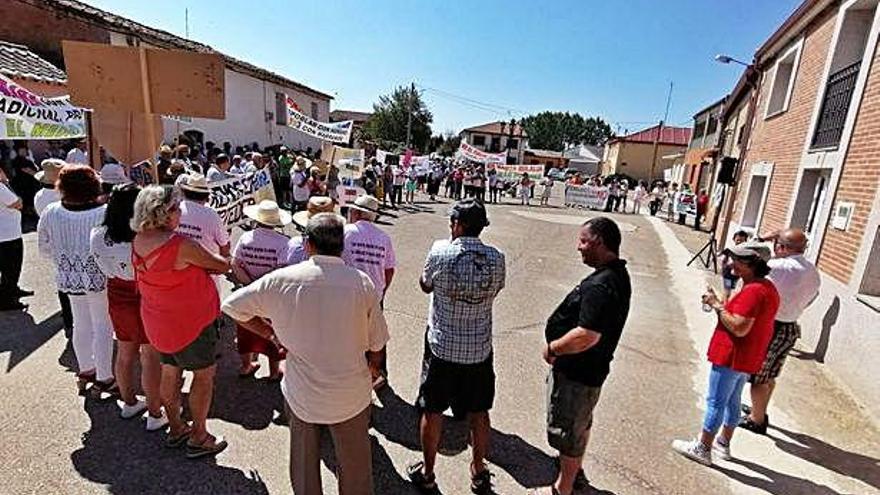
<point>299,183</point>
<point>258,252</point>
<point>296,250</point>
<point>199,222</point>
<point>369,250</point>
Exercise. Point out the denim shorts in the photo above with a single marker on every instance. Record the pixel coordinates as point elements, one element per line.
<point>569,413</point>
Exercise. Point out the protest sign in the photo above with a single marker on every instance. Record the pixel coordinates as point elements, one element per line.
<point>383,157</point>
<point>592,197</point>
<point>349,161</point>
<point>337,132</point>
<point>347,194</point>
<point>514,172</point>
<point>30,116</point>
<point>478,155</point>
<point>686,204</point>
<point>229,197</point>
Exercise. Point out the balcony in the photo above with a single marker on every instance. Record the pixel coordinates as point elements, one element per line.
<point>832,116</point>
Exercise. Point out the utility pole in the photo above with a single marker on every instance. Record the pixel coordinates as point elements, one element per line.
<point>186,21</point>
<point>654,155</point>
<point>409,112</point>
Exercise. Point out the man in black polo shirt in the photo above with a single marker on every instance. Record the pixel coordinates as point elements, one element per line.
<point>582,335</point>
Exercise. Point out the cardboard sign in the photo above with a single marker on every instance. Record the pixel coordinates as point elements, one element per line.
<point>177,82</point>
<point>123,134</point>
<point>347,194</point>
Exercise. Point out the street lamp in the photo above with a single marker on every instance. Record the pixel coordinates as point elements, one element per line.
<point>726,59</point>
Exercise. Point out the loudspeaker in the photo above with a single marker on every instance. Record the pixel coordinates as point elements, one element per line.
<point>726,174</point>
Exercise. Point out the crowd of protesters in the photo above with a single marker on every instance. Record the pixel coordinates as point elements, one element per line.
<point>142,262</point>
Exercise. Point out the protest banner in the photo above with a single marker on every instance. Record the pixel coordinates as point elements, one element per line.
<point>30,116</point>
<point>584,196</point>
<point>229,197</point>
<point>337,132</point>
<point>347,194</point>
<point>383,157</point>
<point>478,155</point>
<point>349,161</point>
<point>514,172</point>
<point>686,204</point>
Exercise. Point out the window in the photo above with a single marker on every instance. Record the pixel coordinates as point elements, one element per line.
<point>699,130</point>
<point>739,134</point>
<point>315,110</point>
<point>496,144</point>
<point>783,81</point>
<point>712,126</point>
<point>513,144</point>
<point>756,196</point>
<point>479,140</point>
<point>280,108</point>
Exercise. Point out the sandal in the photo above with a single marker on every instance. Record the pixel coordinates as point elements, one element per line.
<point>83,380</point>
<point>545,490</point>
<point>209,447</point>
<point>481,483</point>
<point>175,441</point>
<point>416,474</point>
<point>109,387</point>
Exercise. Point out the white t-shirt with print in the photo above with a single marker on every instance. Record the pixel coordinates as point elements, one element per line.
<point>296,251</point>
<point>113,258</point>
<point>369,250</point>
<point>260,251</point>
<point>203,225</point>
<point>10,218</point>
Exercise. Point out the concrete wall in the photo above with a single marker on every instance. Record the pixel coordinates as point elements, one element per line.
<point>522,142</point>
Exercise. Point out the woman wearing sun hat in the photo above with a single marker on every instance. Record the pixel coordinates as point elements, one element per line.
<point>258,252</point>
<point>296,250</point>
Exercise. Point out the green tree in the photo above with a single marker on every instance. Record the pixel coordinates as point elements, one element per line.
<point>387,125</point>
<point>556,130</point>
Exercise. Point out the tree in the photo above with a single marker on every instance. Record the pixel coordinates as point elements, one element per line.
<point>556,130</point>
<point>447,143</point>
<point>387,125</point>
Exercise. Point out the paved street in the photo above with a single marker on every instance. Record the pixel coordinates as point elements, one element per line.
<point>821,443</point>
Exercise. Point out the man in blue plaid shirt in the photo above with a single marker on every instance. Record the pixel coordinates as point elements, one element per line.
<point>463,277</point>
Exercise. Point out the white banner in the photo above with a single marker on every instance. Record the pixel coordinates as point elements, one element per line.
<point>337,132</point>
<point>382,155</point>
<point>592,197</point>
<point>26,115</point>
<point>229,197</point>
<point>347,194</point>
<point>514,172</point>
<point>481,156</point>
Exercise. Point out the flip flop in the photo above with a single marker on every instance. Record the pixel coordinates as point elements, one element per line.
<point>210,447</point>
<point>176,441</point>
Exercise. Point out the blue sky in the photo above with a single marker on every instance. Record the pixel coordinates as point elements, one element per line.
<point>612,58</point>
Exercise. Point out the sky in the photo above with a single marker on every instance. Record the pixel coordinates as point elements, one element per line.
<point>478,61</point>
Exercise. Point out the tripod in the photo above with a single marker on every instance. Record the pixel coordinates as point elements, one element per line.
<point>711,247</point>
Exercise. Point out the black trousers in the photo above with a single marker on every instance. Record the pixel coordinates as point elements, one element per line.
<point>397,194</point>
<point>11,258</point>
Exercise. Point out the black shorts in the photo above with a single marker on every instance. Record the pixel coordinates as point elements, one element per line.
<point>466,388</point>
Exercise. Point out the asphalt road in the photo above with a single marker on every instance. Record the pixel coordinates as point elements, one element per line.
<point>57,442</point>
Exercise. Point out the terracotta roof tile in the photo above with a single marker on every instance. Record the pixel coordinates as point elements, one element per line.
<point>671,135</point>
<point>18,61</point>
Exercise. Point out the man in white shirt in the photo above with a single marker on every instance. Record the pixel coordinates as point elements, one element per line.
<point>327,379</point>
<point>78,155</point>
<point>219,170</point>
<point>369,250</point>
<point>256,163</point>
<point>797,281</point>
<point>11,248</point>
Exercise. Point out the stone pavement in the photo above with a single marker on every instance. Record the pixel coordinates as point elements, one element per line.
<point>821,442</point>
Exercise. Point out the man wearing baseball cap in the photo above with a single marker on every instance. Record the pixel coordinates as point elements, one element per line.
<point>463,276</point>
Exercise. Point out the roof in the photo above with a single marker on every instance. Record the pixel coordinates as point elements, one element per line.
<point>678,136</point>
<point>164,39</point>
<point>501,128</point>
<point>794,24</point>
<point>711,107</point>
<point>18,61</point>
<point>544,153</point>
<point>343,115</point>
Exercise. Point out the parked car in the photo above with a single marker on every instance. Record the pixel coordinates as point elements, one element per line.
<point>557,174</point>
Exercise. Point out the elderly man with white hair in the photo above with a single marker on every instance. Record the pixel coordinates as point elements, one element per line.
<point>370,250</point>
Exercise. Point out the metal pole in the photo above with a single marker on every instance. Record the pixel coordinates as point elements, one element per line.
<point>409,111</point>
<point>654,155</point>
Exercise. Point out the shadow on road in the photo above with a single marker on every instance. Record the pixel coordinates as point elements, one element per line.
<point>774,482</point>
<point>821,453</point>
<point>398,421</point>
<point>123,456</point>
<point>21,335</point>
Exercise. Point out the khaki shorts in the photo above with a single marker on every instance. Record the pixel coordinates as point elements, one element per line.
<point>569,414</point>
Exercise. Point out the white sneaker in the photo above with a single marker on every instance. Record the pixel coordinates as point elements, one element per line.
<point>155,424</point>
<point>693,450</point>
<point>133,410</point>
<point>721,450</point>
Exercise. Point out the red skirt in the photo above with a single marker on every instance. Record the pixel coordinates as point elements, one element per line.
<point>125,310</point>
<point>248,341</point>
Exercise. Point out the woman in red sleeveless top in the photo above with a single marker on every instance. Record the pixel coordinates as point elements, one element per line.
<point>179,303</point>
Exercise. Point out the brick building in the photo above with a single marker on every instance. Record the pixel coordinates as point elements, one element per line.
<point>496,137</point>
<point>634,155</point>
<point>812,160</point>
